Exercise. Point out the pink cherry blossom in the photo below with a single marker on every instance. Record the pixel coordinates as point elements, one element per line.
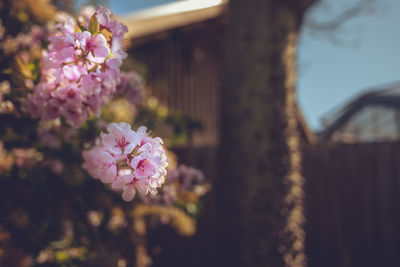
<point>100,164</point>
<point>133,162</point>
<point>131,86</point>
<point>80,70</point>
<point>143,166</point>
<point>181,179</point>
<point>120,139</point>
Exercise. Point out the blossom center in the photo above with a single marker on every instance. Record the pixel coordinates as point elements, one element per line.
<point>122,142</point>
<point>142,164</point>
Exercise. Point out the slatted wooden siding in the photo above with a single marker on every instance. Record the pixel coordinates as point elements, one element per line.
<point>353,205</point>
<point>184,72</point>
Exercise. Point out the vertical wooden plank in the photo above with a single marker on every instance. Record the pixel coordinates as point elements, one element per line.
<point>367,174</point>
<point>384,198</point>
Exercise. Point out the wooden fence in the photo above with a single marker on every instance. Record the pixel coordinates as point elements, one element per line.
<point>352,208</point>
<point>353,205</point>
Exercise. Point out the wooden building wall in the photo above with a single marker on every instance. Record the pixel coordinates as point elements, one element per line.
<point>353,204</point>
<point>352,191</point>
<point>183,70</point>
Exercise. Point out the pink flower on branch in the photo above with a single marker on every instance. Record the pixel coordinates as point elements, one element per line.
<point>130,161</point>
<point>80,69</point>
<point>131,87</point>
<point>120,139</point>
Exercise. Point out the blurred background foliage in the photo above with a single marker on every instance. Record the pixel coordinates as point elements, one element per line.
<point>51,212</point>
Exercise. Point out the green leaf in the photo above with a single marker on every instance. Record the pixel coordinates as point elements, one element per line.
<point>93,25</point>
<point>82,28</point>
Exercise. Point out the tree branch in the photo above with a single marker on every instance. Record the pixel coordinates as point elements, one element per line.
<point>362,7</point>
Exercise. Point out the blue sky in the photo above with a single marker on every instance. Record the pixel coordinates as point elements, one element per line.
<point>330,74</point>
<point>121,7</point>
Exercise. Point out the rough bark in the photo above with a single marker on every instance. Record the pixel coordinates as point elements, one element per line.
<point>261,187</point>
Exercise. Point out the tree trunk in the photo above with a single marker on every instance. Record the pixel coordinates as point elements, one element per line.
<point>261,188</point>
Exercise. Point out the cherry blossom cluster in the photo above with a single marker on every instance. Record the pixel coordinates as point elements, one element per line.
<point>131,87</point>
<point>182,181</point>
<point>187,177</point>
<point>80,68</point>
<point>130,161</point>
